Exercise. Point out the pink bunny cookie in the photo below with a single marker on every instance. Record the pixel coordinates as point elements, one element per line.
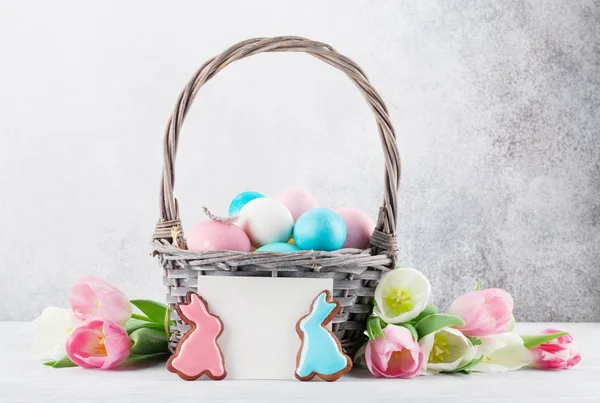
<point>198,352</point>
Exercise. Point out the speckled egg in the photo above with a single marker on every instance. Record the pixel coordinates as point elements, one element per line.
<point>320,229</point>
<point>359,227</point>
<point>265,221</point>
<point>240,201</point>
<point>298,201</point>
<point>278,247</point>
<point>217,235</point>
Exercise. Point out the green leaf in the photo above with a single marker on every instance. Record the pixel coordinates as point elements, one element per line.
<point>369,330</point>
<point>476,341</point>
<point>466,369</point>
<point>478,286</point>
<point>64,362</point>
<point>435,322</point>
<point>536,340</point>
<point>378,328</point>
<point>148,341</point>
<point>153,310</point>
<point>134,324</point>
<point>140,317</point>
<point>137,359</point>
<point>411,328</point>
<point>374,328</point>
<point>430,309</point>
<point>513,322</point>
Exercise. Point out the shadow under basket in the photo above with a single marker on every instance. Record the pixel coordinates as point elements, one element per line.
<point>355,272</point>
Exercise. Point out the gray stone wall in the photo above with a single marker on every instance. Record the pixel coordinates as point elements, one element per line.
<point>496,105</point>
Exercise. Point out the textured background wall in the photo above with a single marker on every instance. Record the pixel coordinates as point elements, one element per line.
<point>496,106</point>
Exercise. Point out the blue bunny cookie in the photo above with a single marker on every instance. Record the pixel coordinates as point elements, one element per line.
<point>320,352</point>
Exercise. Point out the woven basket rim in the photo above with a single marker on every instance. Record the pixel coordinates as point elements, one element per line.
<point>230,260</point>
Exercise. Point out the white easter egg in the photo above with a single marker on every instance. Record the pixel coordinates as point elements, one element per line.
<point>266,221</point>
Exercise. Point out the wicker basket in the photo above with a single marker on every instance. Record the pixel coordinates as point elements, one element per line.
<point>355,272</point>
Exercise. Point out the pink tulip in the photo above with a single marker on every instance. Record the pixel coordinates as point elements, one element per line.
<point>485,312</point>
<point>560,353</point>
<point>98,343</point>
<point>398,355</point>
<point>91,297</point>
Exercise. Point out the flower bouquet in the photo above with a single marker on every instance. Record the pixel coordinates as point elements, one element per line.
<point>410,337</point>
<point>100,330</point>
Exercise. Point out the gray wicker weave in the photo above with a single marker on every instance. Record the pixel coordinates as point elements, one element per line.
<point>355,272</point>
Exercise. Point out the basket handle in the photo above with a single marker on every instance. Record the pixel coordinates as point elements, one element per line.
<point>384,236</point>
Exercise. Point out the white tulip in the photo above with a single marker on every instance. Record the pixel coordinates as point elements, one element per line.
<point>50,331</point>
<point>401,295</point>
<point>501,352</point>
<point>446,350</point>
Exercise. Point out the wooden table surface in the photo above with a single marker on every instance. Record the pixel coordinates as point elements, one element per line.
<point>23,379</point>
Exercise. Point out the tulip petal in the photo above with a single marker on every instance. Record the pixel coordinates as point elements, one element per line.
<point>114,306</point>
<point>372,360</point>
<point>119,351</point>
<point>97,285</point>
<point>399,336</point>
<point>574,361</point>
<point>402,362</point>
<point>50,331</point>
<point>83,301</point>
<point>502,352</point>
<point>426,344</point>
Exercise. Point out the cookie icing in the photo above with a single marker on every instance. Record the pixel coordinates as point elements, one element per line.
<point>198,352</point>
<point>321,353</point>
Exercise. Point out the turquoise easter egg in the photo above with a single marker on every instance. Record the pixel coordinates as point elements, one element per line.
<point>278,247</point>
<point>240,201</point>
<point>320,229</point>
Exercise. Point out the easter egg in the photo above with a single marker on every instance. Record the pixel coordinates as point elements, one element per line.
<point>278,247</point>
<point>298,201</point>
<point>265,221</point>
<point>240,201</point>
<point>320,229</point>
<point>359,227</point>
<point>217,235</point>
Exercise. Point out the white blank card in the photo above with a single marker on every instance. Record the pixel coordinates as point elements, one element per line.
<point>259,315</point>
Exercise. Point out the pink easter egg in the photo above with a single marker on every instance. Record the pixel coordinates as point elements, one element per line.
<point>359,227</point>
<point>298,201</point>
<point>217,235</point>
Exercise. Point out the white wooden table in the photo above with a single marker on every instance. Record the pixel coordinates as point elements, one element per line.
<point>23,379</point>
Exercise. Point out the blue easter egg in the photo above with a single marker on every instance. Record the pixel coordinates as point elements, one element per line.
<point>320,229</point>
<point>240,201</point>
<point>278,247</point>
